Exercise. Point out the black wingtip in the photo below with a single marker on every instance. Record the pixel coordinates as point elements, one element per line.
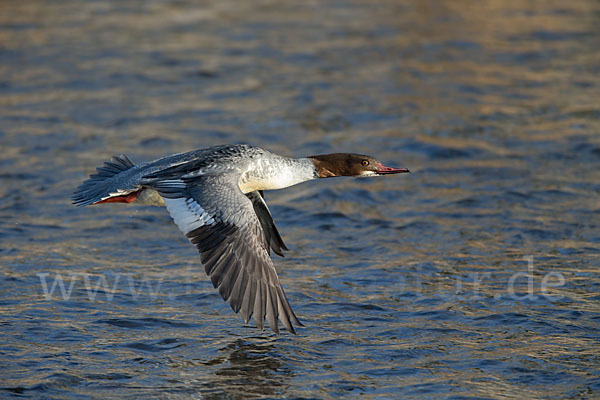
<point>278,252</point>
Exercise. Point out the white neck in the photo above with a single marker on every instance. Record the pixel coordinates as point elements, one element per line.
<point>276,172</point>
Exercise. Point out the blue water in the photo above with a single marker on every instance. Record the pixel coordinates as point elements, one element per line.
<point>476,276</point>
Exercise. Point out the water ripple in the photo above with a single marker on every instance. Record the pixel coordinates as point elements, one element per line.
<point>476,276</point>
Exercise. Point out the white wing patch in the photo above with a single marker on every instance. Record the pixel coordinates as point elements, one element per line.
<point>187,214</point>
<point>119,192</point>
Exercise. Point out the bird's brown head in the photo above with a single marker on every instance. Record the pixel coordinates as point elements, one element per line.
<point>349,164</point>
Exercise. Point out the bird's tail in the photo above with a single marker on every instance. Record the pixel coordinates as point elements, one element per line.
<point>110,184</point>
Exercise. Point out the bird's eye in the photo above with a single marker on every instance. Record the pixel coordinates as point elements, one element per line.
<point>364,163</point>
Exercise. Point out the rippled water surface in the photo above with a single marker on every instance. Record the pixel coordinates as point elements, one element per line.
<point>475,276</point>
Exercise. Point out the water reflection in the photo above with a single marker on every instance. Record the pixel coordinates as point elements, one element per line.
<point>253,369</point>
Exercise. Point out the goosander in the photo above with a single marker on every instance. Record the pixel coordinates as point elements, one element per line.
<point>215,197</point>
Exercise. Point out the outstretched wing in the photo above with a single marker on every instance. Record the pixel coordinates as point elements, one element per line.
<point>221,221</point>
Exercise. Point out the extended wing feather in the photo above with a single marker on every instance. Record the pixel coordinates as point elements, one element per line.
<point>233,243</point>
